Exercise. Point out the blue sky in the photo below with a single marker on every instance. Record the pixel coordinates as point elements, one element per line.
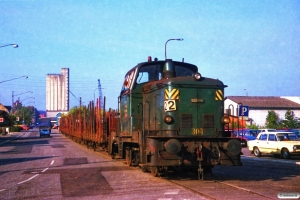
<point>252,45</point>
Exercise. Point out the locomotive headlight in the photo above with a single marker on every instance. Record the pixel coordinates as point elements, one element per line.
<point>168,119</point>
<point>225,120</point>
<point>197,76</point>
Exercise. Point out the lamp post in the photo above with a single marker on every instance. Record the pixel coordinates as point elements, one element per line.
<point>246,92</point>
<point>14,45</point>
<point>14,79</point>
<point>178,39</point>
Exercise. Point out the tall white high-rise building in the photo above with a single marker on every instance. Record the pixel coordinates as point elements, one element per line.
<point>57,93</point>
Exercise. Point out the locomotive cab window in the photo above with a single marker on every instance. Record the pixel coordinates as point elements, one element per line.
<point>149,73</point>
<point>143,77</point>
<point>183,71</point>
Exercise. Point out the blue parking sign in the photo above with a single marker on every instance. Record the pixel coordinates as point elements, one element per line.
<point>244,111</point>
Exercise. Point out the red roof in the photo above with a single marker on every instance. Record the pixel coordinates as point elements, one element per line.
<point>265,102</point>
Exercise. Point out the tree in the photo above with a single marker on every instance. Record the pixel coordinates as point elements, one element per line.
<point>25,115</point>
<point>290,121</point>
<point>272,120</point>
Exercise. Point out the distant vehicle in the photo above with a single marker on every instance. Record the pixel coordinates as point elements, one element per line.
<point>266,130</point>
<point>55,126</point>
<point>283,144</point>
<point>45,127</point>
<point>247,135</point>
<point>296,131</point>
<point>25,127</point>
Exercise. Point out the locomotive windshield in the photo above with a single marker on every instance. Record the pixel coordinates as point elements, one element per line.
<point>153,72</point>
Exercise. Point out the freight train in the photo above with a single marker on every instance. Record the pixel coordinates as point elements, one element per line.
<point>169,117</point>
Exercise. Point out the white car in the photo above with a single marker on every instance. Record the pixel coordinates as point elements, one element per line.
<point>283,144</point>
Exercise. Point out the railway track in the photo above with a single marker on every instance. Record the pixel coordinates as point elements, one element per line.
<point>240,182</point>
<point>214,190</point>
<point>209,188</point>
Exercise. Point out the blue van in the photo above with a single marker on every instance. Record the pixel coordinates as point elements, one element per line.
<point>45,126</point>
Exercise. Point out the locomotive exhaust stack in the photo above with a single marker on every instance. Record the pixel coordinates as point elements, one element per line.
<point>168,69</point>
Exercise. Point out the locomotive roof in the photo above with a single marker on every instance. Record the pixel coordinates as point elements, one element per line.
<point>161,62</point>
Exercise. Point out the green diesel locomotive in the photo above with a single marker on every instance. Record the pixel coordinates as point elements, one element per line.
<point>171,117</point>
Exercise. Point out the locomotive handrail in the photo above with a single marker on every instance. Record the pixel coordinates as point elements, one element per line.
<point>139,114</point>
<point>148,118</point>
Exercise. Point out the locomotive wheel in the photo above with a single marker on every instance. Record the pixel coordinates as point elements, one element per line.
<point>128,156</point>
<point>144,169</point>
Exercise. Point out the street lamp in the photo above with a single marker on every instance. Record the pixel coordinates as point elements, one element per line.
<point>14,79</point>
<point>178,39</point>
<point>14,45</point>
<point>246,92</point>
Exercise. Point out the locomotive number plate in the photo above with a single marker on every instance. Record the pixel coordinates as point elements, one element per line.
<point>197,131</point>
<point>197,100</point>
<point>170,105</point>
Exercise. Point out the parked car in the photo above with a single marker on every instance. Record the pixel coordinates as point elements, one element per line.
<point>250,134</point>
<point>54,126</point>
<point>285,144</point>
<point>245,135</point>
<point>296,131</point>
<point>25,127</point>
<point>266,130</point>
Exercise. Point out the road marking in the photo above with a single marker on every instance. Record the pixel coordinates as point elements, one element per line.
<point>52,162</point>
<point>172,192</point>
<point>45,169</point>
<point>2,190</point>
<point>28,179</point>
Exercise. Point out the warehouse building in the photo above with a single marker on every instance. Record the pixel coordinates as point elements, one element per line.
<point>57,93</point>
<point>260,105</point>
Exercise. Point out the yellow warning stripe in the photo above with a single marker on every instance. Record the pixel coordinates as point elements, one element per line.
<point>219,95</point>
<point>171,94</point>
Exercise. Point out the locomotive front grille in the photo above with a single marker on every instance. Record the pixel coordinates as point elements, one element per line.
<point>208,121</point>
<point>186,120</point>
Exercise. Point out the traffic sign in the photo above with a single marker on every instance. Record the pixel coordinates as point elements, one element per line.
<point>244,111</point>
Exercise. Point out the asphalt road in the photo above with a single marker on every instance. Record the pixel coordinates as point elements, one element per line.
<point>58,168</point>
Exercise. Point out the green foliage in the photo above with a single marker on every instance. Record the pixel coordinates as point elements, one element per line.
<point>272,120</point>
<point>24,114</point>
<point>253,126</point>
<point>290,121</point>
